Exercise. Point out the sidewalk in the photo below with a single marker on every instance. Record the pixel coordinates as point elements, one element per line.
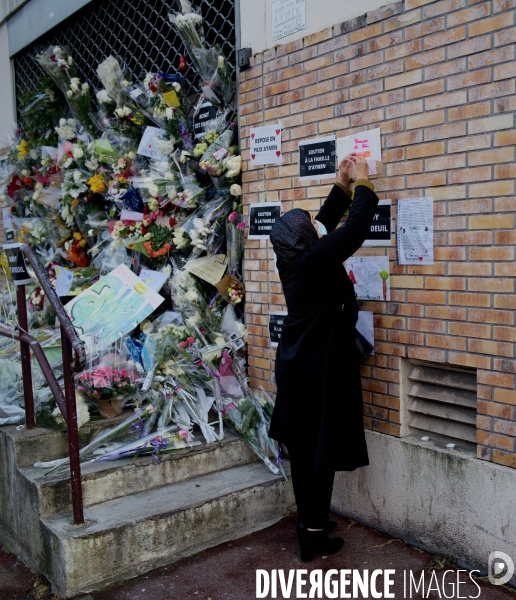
<point>228,572</point>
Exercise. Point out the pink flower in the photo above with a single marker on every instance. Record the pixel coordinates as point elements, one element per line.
<point>233,216</point>
<point>241,225</point>
<point>183,434</point>
<point>190,340</point>
<point>183,344</point>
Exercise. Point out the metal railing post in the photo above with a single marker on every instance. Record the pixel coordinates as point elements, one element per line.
<point>73,435</point>
<point>28,392</point>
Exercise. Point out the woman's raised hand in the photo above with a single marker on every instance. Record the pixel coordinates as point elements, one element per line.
<point>361,168</point>
<point>346,166</point>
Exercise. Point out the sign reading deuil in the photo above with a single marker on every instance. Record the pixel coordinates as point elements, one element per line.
<point>380,232</point>
<point>266,145</point>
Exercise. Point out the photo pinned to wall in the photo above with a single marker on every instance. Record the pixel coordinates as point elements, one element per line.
<point>276,326</point>
<point>265,145</point>
<point>317,159</point>
<point>366,144</point>
<point>262,217</point>
<point>415,230</point>
<point>370,276</point>
<point>381,233</point>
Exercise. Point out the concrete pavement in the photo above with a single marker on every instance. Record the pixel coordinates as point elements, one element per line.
<point>228,571</point>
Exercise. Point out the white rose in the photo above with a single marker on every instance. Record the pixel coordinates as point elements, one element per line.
<point>235,190</point>
<point>77,152</point>
<point>85,87</point>
<point>176,86</point>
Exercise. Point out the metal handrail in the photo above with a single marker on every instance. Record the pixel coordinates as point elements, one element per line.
<point>74,359</point>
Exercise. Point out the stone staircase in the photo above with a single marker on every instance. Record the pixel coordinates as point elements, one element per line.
<point>138,515</point>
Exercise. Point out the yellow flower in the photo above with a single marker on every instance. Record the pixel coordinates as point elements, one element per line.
<point>77,235</point>
<point>122,180</point>
<point>23,149</point>
<point>82,243</point>
<point>97,184</point>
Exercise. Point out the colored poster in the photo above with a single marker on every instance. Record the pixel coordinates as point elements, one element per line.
<point>370,276</point>
<point>265,145</point>
<point>365,143</point>
<point>415,231</point>
<point>112,307</point>
<point>317,158</point>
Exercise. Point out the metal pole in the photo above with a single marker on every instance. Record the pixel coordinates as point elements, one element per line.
<point>73,436</point>
<point>28,393</point>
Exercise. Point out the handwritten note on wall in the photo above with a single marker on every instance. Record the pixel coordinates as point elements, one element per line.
<point>415,230</point>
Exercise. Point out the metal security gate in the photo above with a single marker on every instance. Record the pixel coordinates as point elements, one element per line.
<point>136,31</point>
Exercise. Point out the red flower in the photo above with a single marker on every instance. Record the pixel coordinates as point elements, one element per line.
<point>14,187</point>
<point>172,221</point>
<point>53,57</point>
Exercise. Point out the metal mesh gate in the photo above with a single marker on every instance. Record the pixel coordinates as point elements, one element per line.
<point>137,31</point>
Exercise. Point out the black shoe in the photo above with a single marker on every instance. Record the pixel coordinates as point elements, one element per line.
<point>330,527</point>
<point>317,542</point>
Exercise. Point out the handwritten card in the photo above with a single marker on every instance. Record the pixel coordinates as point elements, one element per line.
<point>64,280</point>
<point>266,145</point>
<point>366,144</point>
<point>154,279</point>
<point>209,268</point>
<point>146,147</point>
<point>415,229</point>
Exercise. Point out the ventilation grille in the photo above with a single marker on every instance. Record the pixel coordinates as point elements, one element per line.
<point>137,31</point>
<point>442,402</point>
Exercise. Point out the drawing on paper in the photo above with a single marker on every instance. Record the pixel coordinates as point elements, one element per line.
<point>370,276</point>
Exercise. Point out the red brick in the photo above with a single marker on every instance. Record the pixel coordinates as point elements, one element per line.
<point>492,24</point>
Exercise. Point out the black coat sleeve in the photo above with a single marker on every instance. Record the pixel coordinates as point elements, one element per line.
<point>333,208</point>
<point>346,240</point>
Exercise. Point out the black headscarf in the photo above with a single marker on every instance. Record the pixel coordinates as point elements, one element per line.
<point>290,235</point>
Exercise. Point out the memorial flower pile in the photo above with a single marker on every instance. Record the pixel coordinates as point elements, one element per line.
<point>116,179</point>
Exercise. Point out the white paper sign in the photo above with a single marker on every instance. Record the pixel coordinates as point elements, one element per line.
<point>146,147</point>
<point>153,279</point>
<point>370,276</point>
<point>130,215</point>
<point>415,229</point>
<point>64,280</point>
<point>287,17</point>
<point>7,218</point>
<point>365,325</point>
<point>210,268</point>
<point>366,144</point>
<point>266,145</point>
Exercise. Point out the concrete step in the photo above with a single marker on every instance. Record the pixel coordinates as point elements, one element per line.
<point>131,535</point>
<point>109,480</point>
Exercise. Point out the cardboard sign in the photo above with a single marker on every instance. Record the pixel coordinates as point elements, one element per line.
<point>265,146</point>
<point>317,158</point>
<point>207,112</point>
<point>276,326</point>
<point>262,217</point>
<point>146,147</point>
<point>380,233</point>
<point>366,144</point>
<point>210,268</point>
<point>16,262</point>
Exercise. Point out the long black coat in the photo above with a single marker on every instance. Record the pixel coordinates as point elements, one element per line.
<point>318,413</point>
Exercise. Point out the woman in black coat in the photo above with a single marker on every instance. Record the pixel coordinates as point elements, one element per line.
<point>318,413</point>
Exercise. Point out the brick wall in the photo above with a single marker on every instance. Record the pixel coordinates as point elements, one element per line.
<point>438,78</point>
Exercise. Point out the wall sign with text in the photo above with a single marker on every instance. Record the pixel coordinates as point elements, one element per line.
<point>317,158</point>
<point>276,326</point>
<point>262,217</point>
<point>206,113</point>
<point>380,233</point>
<point>265,146</point>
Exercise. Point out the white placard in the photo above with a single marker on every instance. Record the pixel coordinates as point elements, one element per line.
<point>415,230</point>
<point>365,143</point>
<point>153,279</point>
<point>7,218</point>
<point>131,215</point>
<point>266,145</point>
<point>287,17</point>
<point>146,147</point>
<point>365,325</point>
<point>370,276</point>
<point>210,268</point>
<point>64,280</point>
